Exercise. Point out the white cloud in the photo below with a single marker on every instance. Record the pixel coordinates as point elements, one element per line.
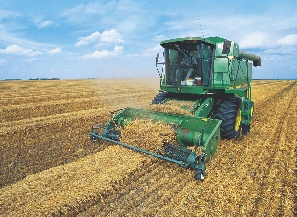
<point>288,40</point>
<point>45,23</point>
<point>94,37</point>
<point>41,23</point>
<point>153,51</point>
<point>118,49</point>
<point>110,37</point>
<point>54,51</point>
<point>123,15</point>
<point>104,53</point>
<point>8,38</point>
<point>17,50</point>
<point>254,40</point>
<point>5,13</point>
<point>83,13</point>
<point>2,62</point>
<point>160,38</point>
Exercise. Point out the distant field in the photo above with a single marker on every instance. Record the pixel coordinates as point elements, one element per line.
<point>49,167</point>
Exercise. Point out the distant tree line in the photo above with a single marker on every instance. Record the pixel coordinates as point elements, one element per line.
<point>18,79</point>
<point>44,78</point>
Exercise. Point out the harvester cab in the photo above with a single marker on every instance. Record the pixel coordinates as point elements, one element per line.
<point>211,79</point>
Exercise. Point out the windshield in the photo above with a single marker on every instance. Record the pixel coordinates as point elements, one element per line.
<point>188,64</point>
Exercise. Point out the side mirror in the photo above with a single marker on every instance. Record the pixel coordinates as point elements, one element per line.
<point>157,59</point>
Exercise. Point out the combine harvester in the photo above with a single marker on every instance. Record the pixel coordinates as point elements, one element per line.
<point>212,74</point>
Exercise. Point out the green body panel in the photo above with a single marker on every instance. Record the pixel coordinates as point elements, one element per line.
<point>200,132</point>
<point>184,89</point>
<point>221,76</point>
<point>205,108</point>
<point>237,92</point>
<point>210,40</point>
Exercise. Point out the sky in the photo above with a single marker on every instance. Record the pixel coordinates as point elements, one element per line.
<point>72,39</point>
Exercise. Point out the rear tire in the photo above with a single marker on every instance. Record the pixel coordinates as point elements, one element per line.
<point>230,115</point>
<point>159,98</point>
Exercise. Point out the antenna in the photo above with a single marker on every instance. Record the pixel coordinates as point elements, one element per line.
<point>200,27</point>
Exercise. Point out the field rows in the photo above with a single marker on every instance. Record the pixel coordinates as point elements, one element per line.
<point>38,98</point>
<point>248,176</point>
<point>32,110</point>
<point>38,135</point>
<point>66,189</point>
<point>235,184</point>
<point>50,142</point>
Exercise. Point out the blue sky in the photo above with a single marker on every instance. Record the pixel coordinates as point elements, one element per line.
<point>120,38</point>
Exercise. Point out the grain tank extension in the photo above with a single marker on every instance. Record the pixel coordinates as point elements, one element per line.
<point>212,78</point>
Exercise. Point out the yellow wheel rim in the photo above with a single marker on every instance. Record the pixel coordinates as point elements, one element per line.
<point>238,120</point>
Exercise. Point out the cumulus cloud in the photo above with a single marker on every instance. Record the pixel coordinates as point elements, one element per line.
<point>54,51</point>
<point>288,40</point>
<point>111,36</point>
<point>17,50</point>
<point>104,53</point>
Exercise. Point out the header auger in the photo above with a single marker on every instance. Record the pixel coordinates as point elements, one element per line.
<point>212,77</point>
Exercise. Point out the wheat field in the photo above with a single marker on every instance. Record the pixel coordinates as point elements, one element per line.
<point>49,167</point>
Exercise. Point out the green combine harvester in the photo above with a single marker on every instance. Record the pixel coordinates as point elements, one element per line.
<point>214,77</point>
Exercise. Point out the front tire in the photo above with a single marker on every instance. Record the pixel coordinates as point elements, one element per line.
<point>159,98</point>
<point>199,175</point>
<point>230,114</point>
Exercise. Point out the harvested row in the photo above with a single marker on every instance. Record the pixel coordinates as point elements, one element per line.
<point>18,93</point>
<point>124,93</point>
<point>69,189</point>
<point>15,88</point>
<point>147,192</point>
<point>46,142</point>
<point>268,82</point>
<point>33,92</point>
<point>280,175</point>
<point>169,108</point>
<point>260,94</point>
<point>148,135</point>
<point>41,97</point>
<point>19,112</point>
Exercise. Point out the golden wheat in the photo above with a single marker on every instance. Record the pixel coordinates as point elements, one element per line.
<point>49,166</point>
